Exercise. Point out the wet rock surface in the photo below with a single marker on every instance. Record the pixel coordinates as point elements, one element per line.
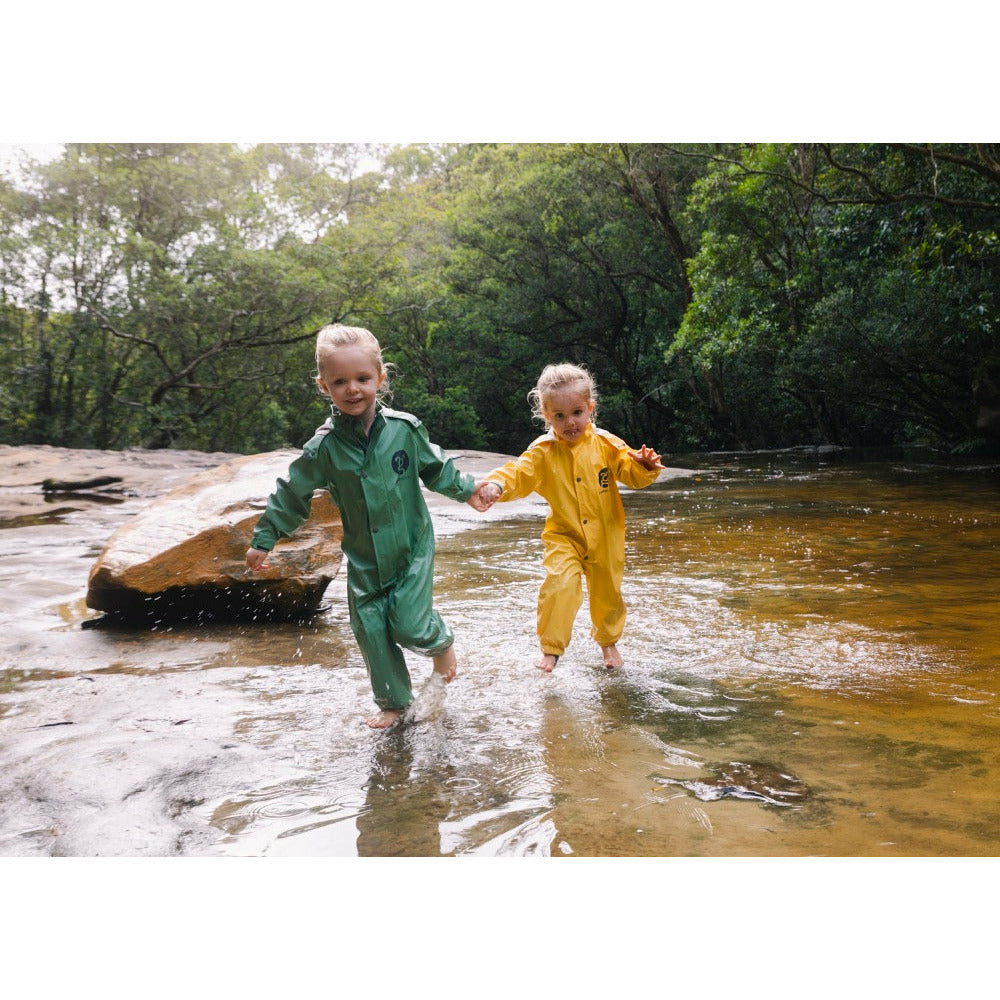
<point>133,741</point>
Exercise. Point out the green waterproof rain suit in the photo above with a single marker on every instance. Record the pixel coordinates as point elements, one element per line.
<point>388,537</point>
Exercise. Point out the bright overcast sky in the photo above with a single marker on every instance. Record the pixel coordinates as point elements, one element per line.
<point>444,70</point>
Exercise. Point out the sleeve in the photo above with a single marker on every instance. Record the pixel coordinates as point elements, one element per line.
<point>519,477</point>
<point>626,469</point>
<point>289,505</point>
<point>438,472</point>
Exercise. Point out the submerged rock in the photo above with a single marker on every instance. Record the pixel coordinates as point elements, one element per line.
<point>747,780</point>
<point>78,485</point>
<point>183,555</point>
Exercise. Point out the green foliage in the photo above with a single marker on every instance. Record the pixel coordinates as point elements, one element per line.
<point>841,278</point>
<point>724,296</point>
<point>163,282</point>
<point>451,417</point>
<point>551,261</point>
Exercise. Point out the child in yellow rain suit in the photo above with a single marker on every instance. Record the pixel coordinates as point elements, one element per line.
<point>575,467</point>
<point>373,461</point>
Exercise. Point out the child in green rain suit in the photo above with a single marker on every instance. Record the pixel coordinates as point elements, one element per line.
<point>373,460</point>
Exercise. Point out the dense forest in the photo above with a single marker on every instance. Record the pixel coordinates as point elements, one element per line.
<point>725,296</point>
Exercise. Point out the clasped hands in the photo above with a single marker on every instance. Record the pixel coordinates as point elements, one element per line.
<point>485,496</point>
<point>487,492</point>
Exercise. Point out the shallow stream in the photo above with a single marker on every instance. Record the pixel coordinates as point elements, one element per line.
<point>811,660</point>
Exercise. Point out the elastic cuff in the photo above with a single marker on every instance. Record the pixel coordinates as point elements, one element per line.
<point>393,708</point>
<point>438,650</point>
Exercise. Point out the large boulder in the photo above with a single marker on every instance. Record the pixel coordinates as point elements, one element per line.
<point>183,555</point>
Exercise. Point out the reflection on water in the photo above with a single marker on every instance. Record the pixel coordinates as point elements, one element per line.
<point>809,671</point>
<point>810,661</point>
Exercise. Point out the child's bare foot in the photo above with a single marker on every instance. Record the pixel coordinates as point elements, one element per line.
<point>386,718</point>
<point>547,662</point>
<point>612,658</point>
<point>446,665</point>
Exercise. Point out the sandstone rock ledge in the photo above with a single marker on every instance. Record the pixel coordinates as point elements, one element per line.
<point>182,557</point>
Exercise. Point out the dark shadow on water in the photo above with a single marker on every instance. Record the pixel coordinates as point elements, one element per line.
<point>37,519</point>
<point>97,499</point>
<point>195,606</point>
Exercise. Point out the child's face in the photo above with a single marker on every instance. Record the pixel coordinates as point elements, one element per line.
<point>351,377</point>
<point>568,412</point>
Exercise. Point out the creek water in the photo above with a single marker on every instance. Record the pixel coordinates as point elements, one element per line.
<point>811,656</point>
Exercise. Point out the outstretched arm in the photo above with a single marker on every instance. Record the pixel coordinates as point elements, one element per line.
<point>635,469</point>
<point>518,478</point>
<point>437,471</point>
<point>290,503</point>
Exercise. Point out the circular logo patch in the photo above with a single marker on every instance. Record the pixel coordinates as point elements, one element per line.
<point>400,462</point>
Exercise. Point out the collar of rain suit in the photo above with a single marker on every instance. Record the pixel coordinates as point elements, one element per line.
<point>351,429</point>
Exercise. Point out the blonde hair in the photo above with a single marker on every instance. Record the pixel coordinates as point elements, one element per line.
<point>561,376</point>
<point>334,336</point>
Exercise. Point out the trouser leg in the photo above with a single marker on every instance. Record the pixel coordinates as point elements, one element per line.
<point>559,599</point>
<point>398,616</point>
<point>607,609</point>
<point>387,672</point>
<point>413,622</point>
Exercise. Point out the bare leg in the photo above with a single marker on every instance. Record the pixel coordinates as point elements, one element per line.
<point>612,658</point>
<point>446,665</point>
<point>547,662</point>
<point>386,718</point>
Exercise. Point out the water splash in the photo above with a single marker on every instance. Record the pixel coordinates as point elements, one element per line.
<point>429,701</point>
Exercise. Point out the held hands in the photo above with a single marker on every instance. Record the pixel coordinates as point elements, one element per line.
<point>485,496</point>
<point>647,458</point>
<point>256,559</point>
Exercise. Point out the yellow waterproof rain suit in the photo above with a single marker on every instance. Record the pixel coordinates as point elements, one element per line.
<point>375,480</point>
<point>584,532</point>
